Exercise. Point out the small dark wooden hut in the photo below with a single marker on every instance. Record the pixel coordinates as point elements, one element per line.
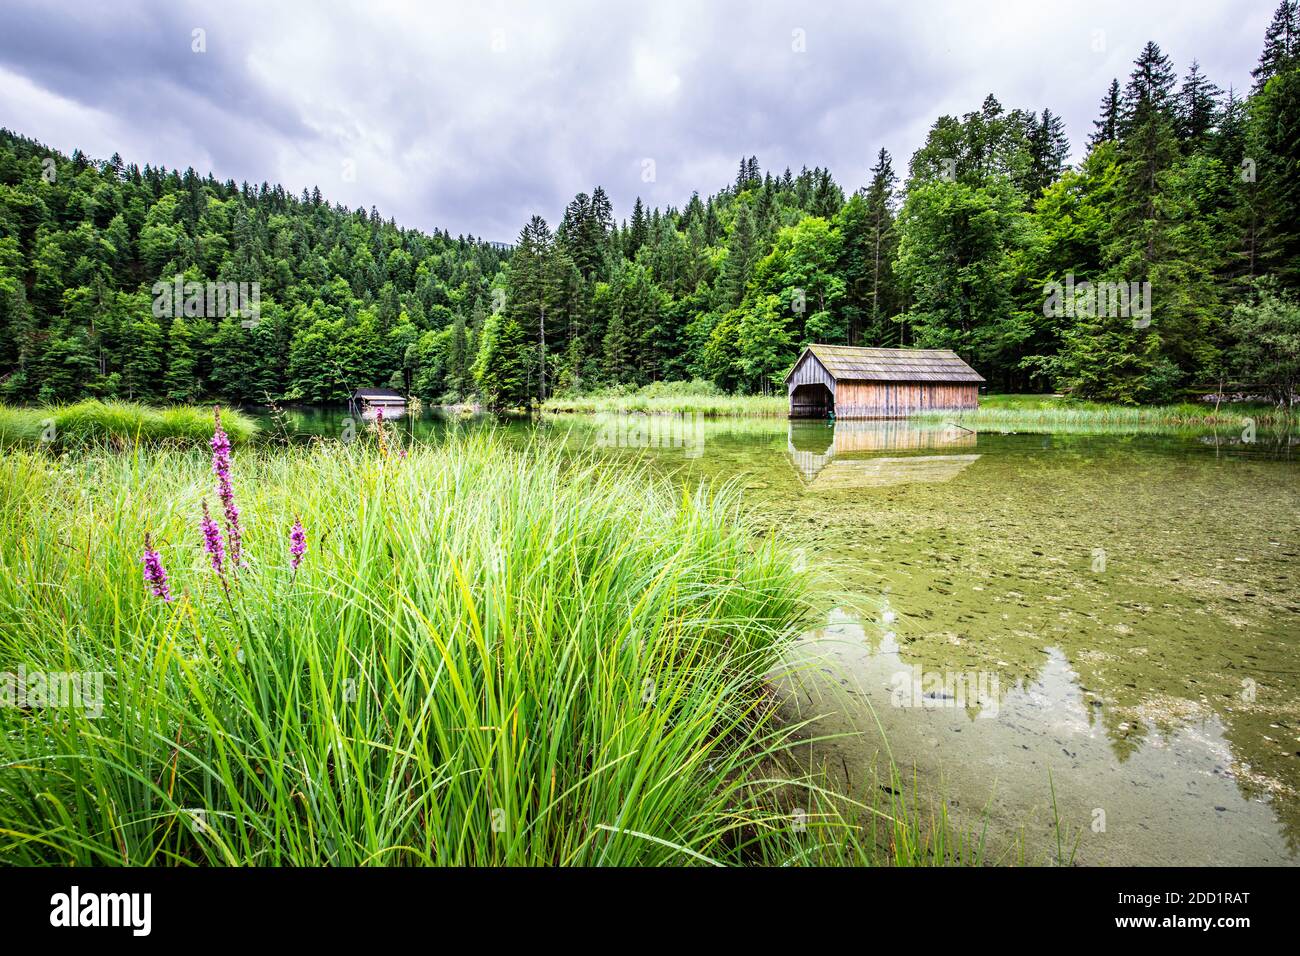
<point>879,383</point>
<point>372,399</point>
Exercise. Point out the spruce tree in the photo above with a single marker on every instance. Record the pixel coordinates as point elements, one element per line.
<point>181,383</point>
<point>1276,140</point>
<point>883,240</point>
<point>1149,90</point>
<point>534,293</point>
<point>142,369</point>
<point>638,230</point>
<point>1048,149</point>
<point>617,349</point>
<point>458,359</point>
<point>1147,142</point>
<point>870,241</point>
<point>742,253</point>
<point>712,225</point>
<point>1281,43</point>
<point>1197,107</point>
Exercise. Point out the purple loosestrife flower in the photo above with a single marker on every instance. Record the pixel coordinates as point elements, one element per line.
<point>155,575</point>
<point>297,543</point>
<point>379,430</point>
<point>221,468</point>
<point>212,541</point>
<point>234,535</point>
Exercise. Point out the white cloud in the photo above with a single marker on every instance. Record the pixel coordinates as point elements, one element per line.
<point>654,78</point>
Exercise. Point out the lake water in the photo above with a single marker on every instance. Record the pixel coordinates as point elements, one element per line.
<point>1112,617</point>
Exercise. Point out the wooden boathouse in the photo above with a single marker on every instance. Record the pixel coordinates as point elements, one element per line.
<point>856,382</point>
<point>371,400</point>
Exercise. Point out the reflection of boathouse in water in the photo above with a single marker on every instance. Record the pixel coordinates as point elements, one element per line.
<point>843,455</point>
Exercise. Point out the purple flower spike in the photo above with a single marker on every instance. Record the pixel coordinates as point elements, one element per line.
<point>220,444</point>
<point>155,575</point>
<point>212,541</point>
<point>221,468</point>
<point>379,431</point>
<point>297,543</point>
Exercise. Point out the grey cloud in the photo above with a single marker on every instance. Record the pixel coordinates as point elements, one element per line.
<point>473,118</point>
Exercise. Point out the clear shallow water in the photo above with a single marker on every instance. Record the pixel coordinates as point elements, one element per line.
<point>1114,616</point>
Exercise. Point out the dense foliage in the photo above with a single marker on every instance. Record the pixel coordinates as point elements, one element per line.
<point>347,300</point>
<point>1160,241</point>
<point>1155,244</point>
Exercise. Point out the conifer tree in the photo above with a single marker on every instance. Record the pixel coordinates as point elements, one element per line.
<point>181,383</point>
<point>1197,107</point>
<point>882,241</point>
<point>1048,148</point>
<point>142,368</point>
<point>638,230</point>
<point>617,349</point>
<point>1281,43</point>
<point>532,296</point>
<point>1276,141</point>
<point>458,359</point>
<point>1147,143</point>
<point>504,364</point>
<point>742,253</point>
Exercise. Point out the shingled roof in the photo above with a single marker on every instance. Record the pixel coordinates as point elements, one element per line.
<point>849,363</point>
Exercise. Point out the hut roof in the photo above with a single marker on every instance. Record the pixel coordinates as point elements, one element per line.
<point>370,393</point>
<point>850,363</point>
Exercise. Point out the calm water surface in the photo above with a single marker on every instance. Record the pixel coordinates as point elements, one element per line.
<point>1115,617</point>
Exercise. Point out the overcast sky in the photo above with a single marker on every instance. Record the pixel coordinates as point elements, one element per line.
<point>473,119</point>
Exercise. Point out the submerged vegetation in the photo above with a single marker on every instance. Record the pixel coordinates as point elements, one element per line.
<point>393,655</point>
<point>120,423</point>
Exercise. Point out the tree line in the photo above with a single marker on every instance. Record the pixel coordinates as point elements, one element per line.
<point>1167,259</point>
<point>346,299</point>
<point>1188,196</point>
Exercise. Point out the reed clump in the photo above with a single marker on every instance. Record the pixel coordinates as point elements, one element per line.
<point>115,424</point>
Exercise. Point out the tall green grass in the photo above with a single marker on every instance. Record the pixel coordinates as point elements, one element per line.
<point>1058,414</point>
<point>115,423</point>
<point>487,657</point>
<point>1025,412</point>
<point>666,398</point>
<point>713,406</point>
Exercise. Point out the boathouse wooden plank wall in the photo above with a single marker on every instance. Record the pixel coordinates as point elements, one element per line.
<point>900,399</point>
